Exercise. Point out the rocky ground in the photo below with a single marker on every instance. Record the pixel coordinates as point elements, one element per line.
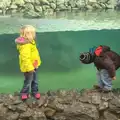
<point>36,8</point>
<point>62,105</point>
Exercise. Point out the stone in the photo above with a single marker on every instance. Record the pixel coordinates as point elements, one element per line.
<point>12,107</point>
<point>97,6</point>
<point>80,108</point>
<point>107,97</point>
<point>29,1</point>
<point>16,101</point>
<point>86,97</point>
<point>103,105</point>
<point>38,9</point>
<point>29,6</point>
<point>3,111</point>
<point>32,1</point>
<point>39,115</point>
<point>109,116</point>
<point>103,5</point>
<point>13,6</point>
<point>110,6</point>
<point>37,2</point>
<point>45,7</point>
<point>42,101</point>
<point>26,115</point>
<point>58,2</point>
<point>80,3</point>
<point>68,8</point>
<point>21,108</point>
<point>61,7</point>
<point>49,112</point>
<point>72,3</point>
<point>53,5</point>
<point>5,3</point>
<point>52,1</point>
<point>44,2</point>
<point>12,116</point>
<point>31,14</point>
<point>92,1</point>
<point>114,105</point>
<point>18,2</point>
<point>96,98</point>
<point>62,105</point>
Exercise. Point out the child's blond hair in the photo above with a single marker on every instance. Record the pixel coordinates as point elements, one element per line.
<point>28,32</point>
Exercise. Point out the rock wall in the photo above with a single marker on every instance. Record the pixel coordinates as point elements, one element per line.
<point>62,105</point>
<point>35,8</point>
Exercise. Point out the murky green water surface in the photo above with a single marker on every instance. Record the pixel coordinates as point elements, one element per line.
<point>60,40</point>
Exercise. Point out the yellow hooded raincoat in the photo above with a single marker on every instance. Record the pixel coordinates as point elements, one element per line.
<point>29,57</point>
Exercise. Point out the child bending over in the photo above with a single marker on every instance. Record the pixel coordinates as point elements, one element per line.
<point>106,61</point>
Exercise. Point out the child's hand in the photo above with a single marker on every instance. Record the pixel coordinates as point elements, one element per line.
<point>32,71</point>
<point>114,78</point>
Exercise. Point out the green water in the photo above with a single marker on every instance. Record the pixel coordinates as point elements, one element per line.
<point>59,53</point>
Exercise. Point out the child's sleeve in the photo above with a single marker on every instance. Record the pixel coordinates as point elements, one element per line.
<point>25,54</point>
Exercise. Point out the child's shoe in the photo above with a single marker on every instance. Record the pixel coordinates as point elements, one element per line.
<point>105,90</point>
<point>24,96</point>
<point>37,95</point>
<point>96,87</point>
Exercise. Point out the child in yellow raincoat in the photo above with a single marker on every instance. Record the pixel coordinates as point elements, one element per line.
<point>29,60</point>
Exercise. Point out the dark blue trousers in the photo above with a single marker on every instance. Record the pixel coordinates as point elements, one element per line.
<point>30,82</point>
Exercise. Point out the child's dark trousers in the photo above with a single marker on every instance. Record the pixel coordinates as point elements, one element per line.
<point>30,82</point>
